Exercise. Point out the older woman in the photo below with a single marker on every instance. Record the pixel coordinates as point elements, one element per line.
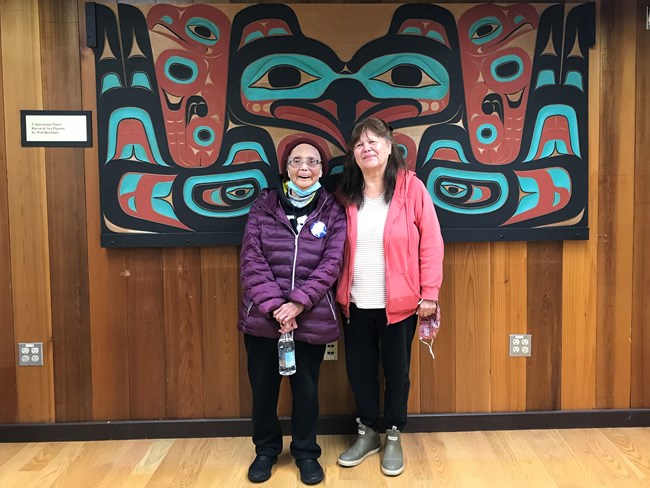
<point>392,272</point>
<point>291,255</point>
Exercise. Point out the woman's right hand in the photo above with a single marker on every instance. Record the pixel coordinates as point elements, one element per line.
<point>288,326</point>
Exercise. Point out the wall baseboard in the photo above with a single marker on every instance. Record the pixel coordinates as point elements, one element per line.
<point>173,429</point>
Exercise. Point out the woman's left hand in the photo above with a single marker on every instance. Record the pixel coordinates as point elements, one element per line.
<point>427,308</point>
<point>287,312</point>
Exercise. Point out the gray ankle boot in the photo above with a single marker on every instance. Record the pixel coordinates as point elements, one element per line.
<point>392,463</point>
<point>367,443</point>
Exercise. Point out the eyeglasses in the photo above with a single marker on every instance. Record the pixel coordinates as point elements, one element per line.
<point>298,162</point>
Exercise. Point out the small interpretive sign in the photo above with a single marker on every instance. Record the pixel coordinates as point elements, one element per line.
<point>51,128</point>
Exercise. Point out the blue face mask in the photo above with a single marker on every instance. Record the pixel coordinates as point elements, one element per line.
<point>303,192</point>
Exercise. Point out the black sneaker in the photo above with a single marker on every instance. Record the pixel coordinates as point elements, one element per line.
<point>311,472</point>
<point>260,469</point>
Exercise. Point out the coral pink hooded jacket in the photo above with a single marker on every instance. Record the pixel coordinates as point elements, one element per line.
<point>413,250</point>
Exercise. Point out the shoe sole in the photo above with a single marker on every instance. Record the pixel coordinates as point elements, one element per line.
<point>357,462</point>
<point>392,472</point>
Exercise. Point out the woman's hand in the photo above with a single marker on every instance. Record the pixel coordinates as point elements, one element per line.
<point>427,308</point>
<point>287,312</point>
<point>290,325</point>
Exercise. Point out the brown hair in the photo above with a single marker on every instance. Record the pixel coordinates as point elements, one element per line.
<point>350,188</point>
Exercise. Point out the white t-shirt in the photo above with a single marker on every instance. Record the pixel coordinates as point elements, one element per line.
<point>368,288</point>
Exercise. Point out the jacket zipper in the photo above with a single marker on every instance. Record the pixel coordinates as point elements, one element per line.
<point>297,234</point>
<point>329,301</point>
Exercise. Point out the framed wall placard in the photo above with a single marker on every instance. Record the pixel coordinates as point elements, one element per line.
<point>55,128</point>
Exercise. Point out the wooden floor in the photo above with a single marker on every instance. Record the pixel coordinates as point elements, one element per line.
<point>611,458</point>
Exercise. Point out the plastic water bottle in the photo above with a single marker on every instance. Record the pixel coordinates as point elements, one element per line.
<point>287,354</point>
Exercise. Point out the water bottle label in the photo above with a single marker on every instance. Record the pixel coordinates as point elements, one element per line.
<point>289,359</point>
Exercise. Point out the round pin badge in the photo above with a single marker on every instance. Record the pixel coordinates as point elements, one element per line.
<point>318,229</point>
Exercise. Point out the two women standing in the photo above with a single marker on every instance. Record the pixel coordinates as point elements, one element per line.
<point>389,272</point>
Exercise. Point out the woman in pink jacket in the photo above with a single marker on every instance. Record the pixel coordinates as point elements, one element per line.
<point>392,272</point>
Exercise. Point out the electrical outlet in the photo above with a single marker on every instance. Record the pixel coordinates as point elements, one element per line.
<point>520,345</point>
<point>30,354</point>
<point>332,351</point>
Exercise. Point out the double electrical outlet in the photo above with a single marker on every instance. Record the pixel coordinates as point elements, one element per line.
<point>520,345</point>
<point>332,351</point>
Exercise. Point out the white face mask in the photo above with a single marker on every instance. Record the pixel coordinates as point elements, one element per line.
<point>303,192</point>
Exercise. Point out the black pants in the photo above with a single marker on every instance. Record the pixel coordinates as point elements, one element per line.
<point>367,338</point>
<point>265,383</point>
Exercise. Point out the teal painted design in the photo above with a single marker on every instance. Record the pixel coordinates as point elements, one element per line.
<point>204,130</point>
<point>160,206</point>
<point>215,197</point>
<point>278,31</point>
<point>129,183</point>
<point>126,113</point>
<point>131,204</point>
<point>431,33</point>
<point>167,19</point>
<point>252,36</point>
<point>141,80</point>
<point>549,111</point>
<point>446,144</point>
<point>447,179</point>
<point>486,133</point>
<point>324,77</point>
<point>510,58</point>
<point>230,181</point>
<point>184,62</point>
<point>246,146</point>
<point>531,199</point>
<point>136,151</point>
<point>560,177</point>
<point>574,78</point>
<point>110,81</point>
<point>437,89</point>
<point>545,77</point>
<point>485,30</point>
<point>195,27</point>
<point>519,19</point>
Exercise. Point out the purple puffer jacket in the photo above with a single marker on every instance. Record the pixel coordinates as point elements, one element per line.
<point>278,266</point>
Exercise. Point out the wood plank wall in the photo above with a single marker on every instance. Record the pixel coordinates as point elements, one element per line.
<point>150,333</point>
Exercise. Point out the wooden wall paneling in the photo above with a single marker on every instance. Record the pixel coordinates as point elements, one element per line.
<point>640,370</point>
<point>438,376</point>
<point>145,315</point>
<point>544,318</point>
<point>27,207</point>
<point>106,273</point>
<point>184,351</point>
<point>66,218</point>
<point>9,404</point>
<point>334,391</point>
<point>616,205</point>
<point>508,316</point>
<point>472,310</point>
<point>221,351</point>
<point>579,271</point>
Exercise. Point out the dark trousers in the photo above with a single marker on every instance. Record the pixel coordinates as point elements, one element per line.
<point>265,383</point>
<point>367,338</point>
